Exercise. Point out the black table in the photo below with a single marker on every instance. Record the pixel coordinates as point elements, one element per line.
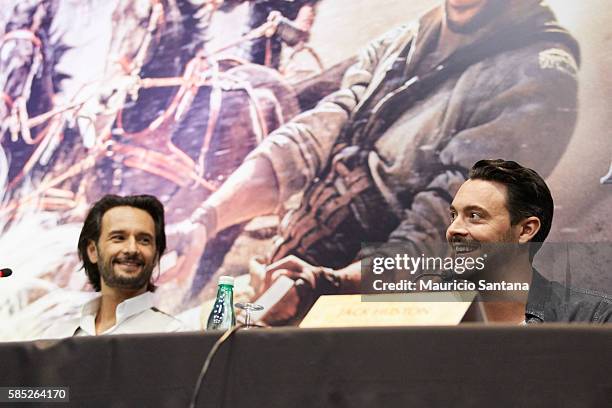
<point>465,366</point>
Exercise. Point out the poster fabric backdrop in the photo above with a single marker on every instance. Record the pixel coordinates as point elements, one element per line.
<point>367,115</point>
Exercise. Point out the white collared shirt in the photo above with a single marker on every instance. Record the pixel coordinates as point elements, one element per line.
<point>134,315</point>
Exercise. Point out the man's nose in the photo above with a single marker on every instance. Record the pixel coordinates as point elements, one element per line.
<point>131,245</point>
<point>456,228</point>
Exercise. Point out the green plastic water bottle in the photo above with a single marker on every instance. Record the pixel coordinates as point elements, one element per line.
<point>222,316</point>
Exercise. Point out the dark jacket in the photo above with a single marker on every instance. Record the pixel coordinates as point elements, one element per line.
<point>550,301</point>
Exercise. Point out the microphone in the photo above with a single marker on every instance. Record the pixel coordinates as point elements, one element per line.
<point>5,272</point>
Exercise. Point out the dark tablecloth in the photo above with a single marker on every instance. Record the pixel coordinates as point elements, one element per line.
<point>466,366</point>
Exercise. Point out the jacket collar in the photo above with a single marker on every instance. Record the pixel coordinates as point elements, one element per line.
<point>540,295</point>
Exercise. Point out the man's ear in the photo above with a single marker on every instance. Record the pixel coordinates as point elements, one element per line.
<point>529,227</point>
<point>92,252</point>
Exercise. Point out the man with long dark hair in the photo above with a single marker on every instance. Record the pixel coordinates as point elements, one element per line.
<point>120,245</point>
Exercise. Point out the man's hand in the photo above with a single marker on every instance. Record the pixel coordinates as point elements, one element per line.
<point>186,233</point>
<point>310,282</point>
<point>187,241</point>
<point>206,215</point>
<point>274,19</point>
<point>292,267</point>
<point>190,236</point>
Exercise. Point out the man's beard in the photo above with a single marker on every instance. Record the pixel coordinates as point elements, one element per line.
<point>134,282</point>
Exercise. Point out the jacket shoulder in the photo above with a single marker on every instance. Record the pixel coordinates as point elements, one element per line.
<point>579,304</point>
<point>542,61</point>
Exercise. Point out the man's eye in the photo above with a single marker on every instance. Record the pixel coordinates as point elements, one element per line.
<point>475,216</point>
<point>452,216</point>
<point>117,237</point>
<point>146,241</point>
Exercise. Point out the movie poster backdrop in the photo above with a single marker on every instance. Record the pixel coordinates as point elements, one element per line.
<point>168,98</point>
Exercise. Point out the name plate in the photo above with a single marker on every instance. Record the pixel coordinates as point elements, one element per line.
<point>410,309</point>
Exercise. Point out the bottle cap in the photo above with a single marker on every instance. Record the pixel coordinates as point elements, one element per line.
<point>226,280</point>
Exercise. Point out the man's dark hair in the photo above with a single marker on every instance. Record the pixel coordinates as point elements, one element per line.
<point>527,194</point>
<point>93,226</point>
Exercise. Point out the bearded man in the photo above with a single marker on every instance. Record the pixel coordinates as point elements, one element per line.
<point>120,245</point>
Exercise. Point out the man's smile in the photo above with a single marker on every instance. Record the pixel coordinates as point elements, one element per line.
<point>129,264</point>
<point>464,247</point>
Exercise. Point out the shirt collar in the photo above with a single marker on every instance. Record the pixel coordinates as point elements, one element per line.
<point>125,310</point>
<point>132,306</point>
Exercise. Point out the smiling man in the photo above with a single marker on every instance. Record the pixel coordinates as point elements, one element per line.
<point>504,211</point>
<point>120,245</point>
